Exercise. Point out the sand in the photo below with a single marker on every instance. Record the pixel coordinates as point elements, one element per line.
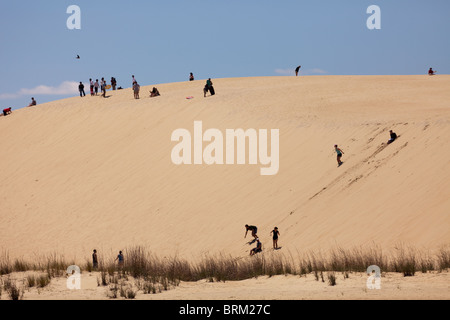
<point>429,286</point>
<point>93,172</point>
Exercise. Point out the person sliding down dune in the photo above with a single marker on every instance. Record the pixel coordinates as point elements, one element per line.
<point>257,249</point>
<point>393,137</point>
<point>339,154</point>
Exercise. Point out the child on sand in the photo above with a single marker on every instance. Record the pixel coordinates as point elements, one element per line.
<point>276,233</point>
<point>339,154</point>
<point>431,72</point>
<point>253,229</point>
<point>257,249</point>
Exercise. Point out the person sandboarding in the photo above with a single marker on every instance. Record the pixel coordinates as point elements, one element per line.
<point>393,137</point>
<point>256,249</point>
<point>339,154</point>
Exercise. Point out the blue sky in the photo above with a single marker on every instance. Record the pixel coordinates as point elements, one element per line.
<point>162,41</point>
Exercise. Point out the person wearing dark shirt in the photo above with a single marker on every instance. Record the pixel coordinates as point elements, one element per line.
<point>253,229</point>
<point>33,103</point>
<point>94,259</point>
<point>275,235</point>
<point>257,249</point>
<point>393,137</point>
<point>297,70</point>
<point>120,258</point>
<point>81,89</point>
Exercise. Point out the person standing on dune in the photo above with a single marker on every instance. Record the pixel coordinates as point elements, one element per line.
<point>275,235</point>
<point>297,70</point>
<point>96,85</point>
<point>94,260</point>
<point>103,87</point>
<point>81,89</point>
<point>136,88</point>
<point>91,84</point>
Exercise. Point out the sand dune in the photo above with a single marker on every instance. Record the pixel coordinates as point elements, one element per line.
<point>84,173</point>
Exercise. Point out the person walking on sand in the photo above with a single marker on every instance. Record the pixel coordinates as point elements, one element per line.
<point>256,249</point>
<point>191,77</point>
<point>275,235</point>
<point>94,259</point>
<point>121,260</point>
<point>253,229</point>
<point>297,70</point>
<point>96,85</point>
<point>393,137</point>
<point>339,154</point>
<point>81,89</point>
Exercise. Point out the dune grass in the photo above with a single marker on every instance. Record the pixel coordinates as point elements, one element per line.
<point>152,274</point>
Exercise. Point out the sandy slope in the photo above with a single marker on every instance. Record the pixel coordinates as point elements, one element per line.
<point>84,173</point>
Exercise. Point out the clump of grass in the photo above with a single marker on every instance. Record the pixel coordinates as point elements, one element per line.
<point>14,292</point>
<point>127,292</point>
<point>43,280</point>
<point>405,262</point>
<point>113,290</point>
<point>331,278</point>
<point>443,259</point>
<point>31,280</point>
